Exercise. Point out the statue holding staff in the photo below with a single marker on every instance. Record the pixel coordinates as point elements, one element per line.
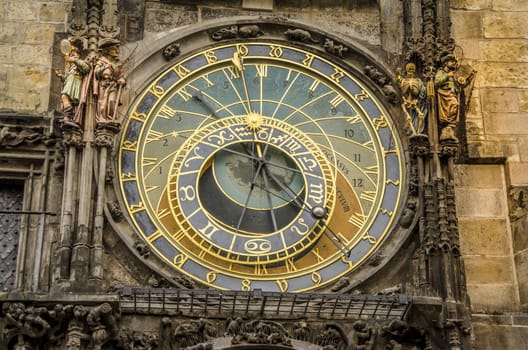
<point>108,82</point>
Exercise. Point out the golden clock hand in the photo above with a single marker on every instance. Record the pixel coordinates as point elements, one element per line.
<point>253,183</point>
<point>320,213</point>
<point>335,239</point>
<point>288,191</point>
<point>259,151</point>
<point>261,155</point>
<point>238,63</point>
<point>268,195</point>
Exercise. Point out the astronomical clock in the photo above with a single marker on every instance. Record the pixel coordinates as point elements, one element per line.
<point>258,163</point>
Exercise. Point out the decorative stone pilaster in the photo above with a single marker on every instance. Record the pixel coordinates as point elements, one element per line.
<point>104,140</point>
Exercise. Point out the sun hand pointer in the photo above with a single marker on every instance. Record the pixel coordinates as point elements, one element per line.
<point>237,61</point>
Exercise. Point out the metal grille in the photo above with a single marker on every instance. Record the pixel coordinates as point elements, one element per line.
<point>11,197</point>
<point>264,304</point>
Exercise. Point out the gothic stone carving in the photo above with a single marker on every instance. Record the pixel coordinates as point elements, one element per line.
<point>170,51</point>
<point>105,133</point>
<point>179,334</point>
<point>247,31</point>
<point>262,332</point>
<point>16,136</point>
<point>383,81</point>
<point>72,326</point>
<point>414,103</point>
<point>335,49</point>
<point>301,35</point>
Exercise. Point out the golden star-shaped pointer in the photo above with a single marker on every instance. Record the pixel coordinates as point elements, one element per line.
<point>254,121</point>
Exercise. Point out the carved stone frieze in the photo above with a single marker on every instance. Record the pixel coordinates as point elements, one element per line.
<point>398,334</point>
<point>250,31</point>
<point>443,47</point>
<point>11,136</point>
<point>334,336</point>
<point>302,331</point>
<point>231,32</point>
<point>300,35</point>
<point>335,49</point>
<point>25,324</point>
<point>137,340</point>
<point>225,33</point>
<point>382,81</point>
<point>97,327</point>
<point>262,332</point>
<point>72,326</point>
<point>376,75</point>
<point>393,290</point>
<point>183,334</point>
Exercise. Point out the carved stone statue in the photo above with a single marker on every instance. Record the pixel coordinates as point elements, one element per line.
<point>102,324</point>
<point>22,322</point>
<point>300,35</point>
<point>333,335</point>
<point>361,337</point>
<point>448,87</point>
<point>72,80</point>
<point>414,95</point>
<point>108,82</point>
<point>75,334</point>
<point>301,331</point>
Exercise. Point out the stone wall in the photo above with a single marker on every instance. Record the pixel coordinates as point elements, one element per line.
<point>27,29</point>
<point>494,39</point>
<point>358,18</point>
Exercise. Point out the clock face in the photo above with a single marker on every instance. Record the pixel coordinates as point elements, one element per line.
<point>260,165</point>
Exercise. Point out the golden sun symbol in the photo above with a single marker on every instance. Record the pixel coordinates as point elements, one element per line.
<point>254,121</point>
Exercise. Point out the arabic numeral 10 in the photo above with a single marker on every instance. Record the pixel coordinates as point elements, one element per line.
<point>349,133</point>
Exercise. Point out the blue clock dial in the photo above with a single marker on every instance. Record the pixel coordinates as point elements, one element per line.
<point>260,165</point>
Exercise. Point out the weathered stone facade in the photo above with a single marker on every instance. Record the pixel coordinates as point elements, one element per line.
<point>78,284</point>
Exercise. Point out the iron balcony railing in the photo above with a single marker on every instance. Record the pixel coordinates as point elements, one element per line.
<point>263,304</point>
